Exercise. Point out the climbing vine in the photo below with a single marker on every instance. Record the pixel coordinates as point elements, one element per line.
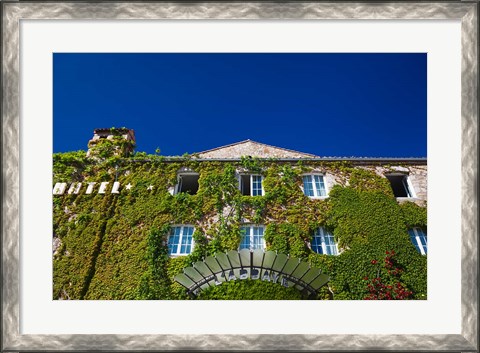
<point>114,246</point>
<point>385,281</point>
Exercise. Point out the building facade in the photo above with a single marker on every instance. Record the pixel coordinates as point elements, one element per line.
<point>242,221</point>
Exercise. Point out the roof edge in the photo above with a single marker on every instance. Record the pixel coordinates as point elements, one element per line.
<point>260,143</point>
<point>360,160</point>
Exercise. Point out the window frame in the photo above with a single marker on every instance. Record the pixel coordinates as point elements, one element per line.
<point>181,235</point>
<point>419,245</point>
<point>240,184</point>
<point>323,233</point>
<point>407,184</point>
<point>312,175</point>
<point>176,189</point>
<point>409,187</point>
<point>251,236</point>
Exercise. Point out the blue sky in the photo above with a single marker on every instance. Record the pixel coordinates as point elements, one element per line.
<point>362,105</point>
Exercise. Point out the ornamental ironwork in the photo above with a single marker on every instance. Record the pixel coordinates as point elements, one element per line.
<point>245,264</point>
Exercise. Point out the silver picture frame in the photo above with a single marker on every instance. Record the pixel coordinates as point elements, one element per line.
<point>12,14</point>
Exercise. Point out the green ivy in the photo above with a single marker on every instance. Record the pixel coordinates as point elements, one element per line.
<point>250,290</point>
<point>113,246</point>
<point>414,215</point>
<point>115,146</point>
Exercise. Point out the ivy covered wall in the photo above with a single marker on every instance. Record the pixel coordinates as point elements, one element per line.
<point>114,246</point>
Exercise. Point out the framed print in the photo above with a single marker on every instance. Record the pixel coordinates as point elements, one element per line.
<point>139,238</point>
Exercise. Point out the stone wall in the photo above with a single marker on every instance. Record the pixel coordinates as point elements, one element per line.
<point>418,178</point>
<point>252,149</point>
<point>101,135</point>
<point>417,175</point>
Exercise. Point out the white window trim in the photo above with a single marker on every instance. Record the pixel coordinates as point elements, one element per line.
<point>314,186</point>
<point>251,183</point>
<point>324,245</point>
<point>411,190</point>
<point>180,239</point>
<point>264,245</point>
<point>413,195</point>
<point>179,181</point>
<point>419,242</point>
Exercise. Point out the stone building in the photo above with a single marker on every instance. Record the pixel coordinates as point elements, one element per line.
<point>407,176</point>
<point>113,141</point>
<point>243,212</point>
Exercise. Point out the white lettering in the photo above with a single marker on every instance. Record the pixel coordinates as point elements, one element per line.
<point>74,188</point>
<point>90,187</point>
<point>59,188</point>
<point>103,186</point>
<point>115,187</point>
<point>266,276</point>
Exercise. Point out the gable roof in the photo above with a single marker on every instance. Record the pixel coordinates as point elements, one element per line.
<point>252,149</point>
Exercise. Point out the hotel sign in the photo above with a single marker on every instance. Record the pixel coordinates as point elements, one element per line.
<point>101,187</point>
<point>266,266</point>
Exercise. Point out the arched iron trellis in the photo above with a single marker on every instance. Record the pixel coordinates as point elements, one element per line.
<point>257,265</point>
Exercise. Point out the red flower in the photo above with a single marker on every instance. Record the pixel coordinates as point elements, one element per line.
<point>373,262</point>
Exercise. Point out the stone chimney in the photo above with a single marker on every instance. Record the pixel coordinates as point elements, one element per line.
<point>111,142</point>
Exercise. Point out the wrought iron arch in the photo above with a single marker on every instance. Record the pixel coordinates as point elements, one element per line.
<point>262,265</point>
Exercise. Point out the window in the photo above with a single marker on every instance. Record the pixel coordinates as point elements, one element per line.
<point>187,182</point>
<point>401,185</point>
<point>323,242</point>
<point>419,239</point>
<point>180,240</point>
<point>252,237</point>
<point>314,185</point>
<point>251,185</point>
